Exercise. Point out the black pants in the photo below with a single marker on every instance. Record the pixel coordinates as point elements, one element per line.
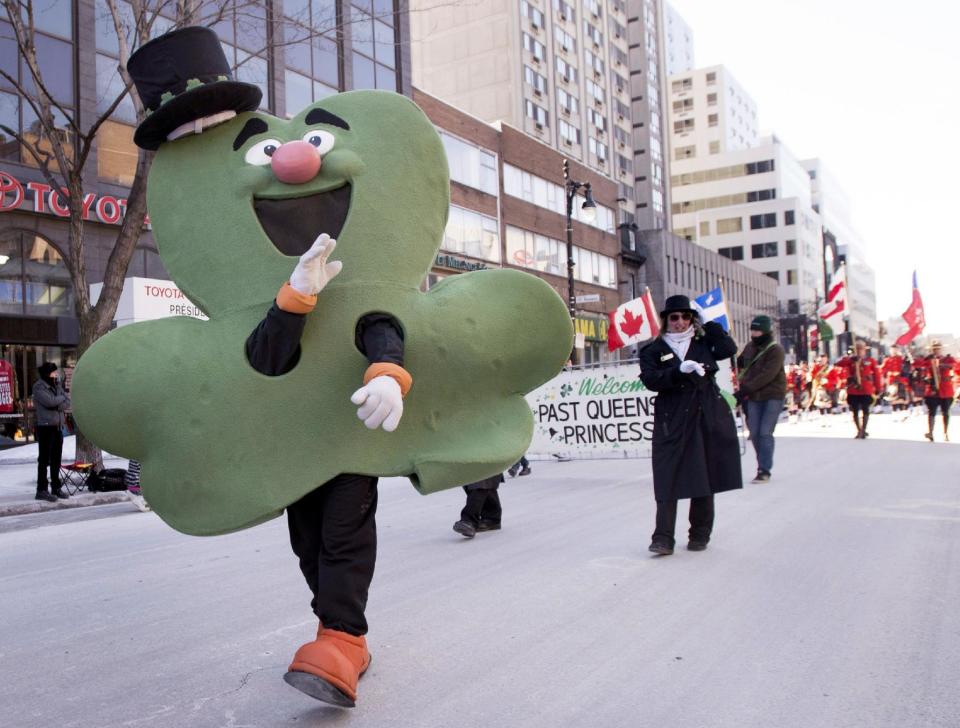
<point>483,504</point>
<point>333,531</point>
<point>943,403</point>
<point>860,404</point>
<point>701,520</point>
<point>50,442</point>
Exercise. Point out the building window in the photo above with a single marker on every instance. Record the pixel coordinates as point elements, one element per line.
<point>714,147</point>
<point>791,247</point>
<point>775,274</point>
<point>788,218</point>
<point>760,167</point>
<point>713,120</point>
<point>34,279</point>
<point>595,90</point>
<point>567,103</point>
<point>624,164</point>
<point>470,165</point>
<point>598,120</point>
<point>537,113</point>
<point>622,136</point>
<point>598,149</point>
<point>619,58</point>
<point>711,78</point>
<point>534,15</point>
<point>766,220</point>
<point>568,132</point>
<point>733,253</point>
<point>595,62</point>
<point>473,234</point>
<point>564,10</point>
<point>533,78</point>
<point>711,99</point>
<point>682,84</point>
<point>593,33</point>
<point>619,82</point>
<point>566,71</point>
<point>547,255</point>
<point>311,51</point>
<point>682,106</point>
<point>536,48</point>
<point>763,250</point>
<point>704,228</point>
<point>729,225</point>
<point>760,195</point>
<point>538,191</point>
<point>791,277</point>
<point>682,126</point>
<point>563,39</point>
<point>374,49</point>
<point>688,152</point>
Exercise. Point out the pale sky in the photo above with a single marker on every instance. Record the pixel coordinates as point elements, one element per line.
<point>872,88</point>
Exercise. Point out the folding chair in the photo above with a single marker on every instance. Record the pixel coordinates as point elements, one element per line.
<point>73,476</point>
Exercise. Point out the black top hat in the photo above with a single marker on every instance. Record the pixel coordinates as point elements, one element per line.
<point>183,76</point>
<point>677,303</point>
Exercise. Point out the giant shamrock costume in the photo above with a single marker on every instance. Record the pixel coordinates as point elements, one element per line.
<point>224,447</point>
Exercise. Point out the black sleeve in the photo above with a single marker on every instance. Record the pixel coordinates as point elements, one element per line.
<point>653,377</point>
<point>380,338</point>
<point>274,346</point>
<point>719,341</point>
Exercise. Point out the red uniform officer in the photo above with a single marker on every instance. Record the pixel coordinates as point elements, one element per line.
<point>863,384</point>
<point>895,384</point>
<point>818,382</point>
<point>938,373</point>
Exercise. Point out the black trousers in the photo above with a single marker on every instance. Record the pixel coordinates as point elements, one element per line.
<point>943,403</point>
<point>483,504</point>
<point>50,442</point>
<point>701,520</point>
<point>333,531</point>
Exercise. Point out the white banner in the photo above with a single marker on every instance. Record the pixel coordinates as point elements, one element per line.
<point>146,299</point>
<point>599,412</point>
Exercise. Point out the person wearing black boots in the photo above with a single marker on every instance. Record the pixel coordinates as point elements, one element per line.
<point>482,511</point>
<point>49,401</point>
<point>522,466</point>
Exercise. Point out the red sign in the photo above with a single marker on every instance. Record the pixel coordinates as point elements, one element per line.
<point>43,199</point>
<point>6,387</point>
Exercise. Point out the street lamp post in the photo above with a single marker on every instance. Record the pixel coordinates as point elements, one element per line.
<point>589,210</point>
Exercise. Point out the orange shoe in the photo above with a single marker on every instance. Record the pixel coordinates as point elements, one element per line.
<point>329,667</point>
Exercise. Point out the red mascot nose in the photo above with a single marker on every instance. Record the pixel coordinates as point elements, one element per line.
<point>295,162</point>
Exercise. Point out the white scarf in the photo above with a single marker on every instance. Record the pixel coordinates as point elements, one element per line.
<point>679,342</point>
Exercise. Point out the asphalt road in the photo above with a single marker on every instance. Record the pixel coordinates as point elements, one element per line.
<point>828,598</point>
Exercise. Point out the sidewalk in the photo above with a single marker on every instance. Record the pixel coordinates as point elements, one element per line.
<point>18,482</point>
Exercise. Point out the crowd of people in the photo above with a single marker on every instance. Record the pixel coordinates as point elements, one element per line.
<point>859,383</point>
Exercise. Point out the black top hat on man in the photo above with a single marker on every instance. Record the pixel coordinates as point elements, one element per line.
<point>183,76</point>
<point>675,304</point>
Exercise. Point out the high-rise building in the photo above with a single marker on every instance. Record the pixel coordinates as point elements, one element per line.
<point>556,69</point>
<point>841,242</point>
<point>678,42</point>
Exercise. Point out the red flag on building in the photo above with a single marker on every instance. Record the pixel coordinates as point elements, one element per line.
<point>913,316</point>
<point>633,322</point>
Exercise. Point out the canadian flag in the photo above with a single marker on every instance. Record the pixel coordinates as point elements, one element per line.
<point>914,317</point>
<point>633,322</point>
<point>836,303</point>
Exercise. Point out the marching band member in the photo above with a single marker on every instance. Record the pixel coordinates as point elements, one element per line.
<point>863,384</point>
<point>938,373</point>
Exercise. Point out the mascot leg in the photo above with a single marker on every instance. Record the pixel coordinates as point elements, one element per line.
<point>333,533</point>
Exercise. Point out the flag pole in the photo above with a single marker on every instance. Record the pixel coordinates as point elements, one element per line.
<point>723,295</point>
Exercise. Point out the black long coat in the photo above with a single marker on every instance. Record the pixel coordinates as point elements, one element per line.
<point>695,447</point>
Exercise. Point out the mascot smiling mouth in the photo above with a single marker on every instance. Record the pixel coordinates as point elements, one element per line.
<point>292,224</point>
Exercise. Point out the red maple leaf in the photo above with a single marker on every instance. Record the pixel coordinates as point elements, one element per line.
<point>631,324</point>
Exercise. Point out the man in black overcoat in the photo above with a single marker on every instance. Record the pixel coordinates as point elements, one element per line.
<point>695,448</point>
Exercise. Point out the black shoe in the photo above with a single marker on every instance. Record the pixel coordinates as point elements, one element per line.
<point>60,494</point>
<point>488,526</point>
<point>697,546</point>
<point>661,549</point>
<point>465,528</point>
<point>525,471</point>
<point>762,477</point>
<point>44,495</point>
<point>928,435</point>
<point>513,472</point>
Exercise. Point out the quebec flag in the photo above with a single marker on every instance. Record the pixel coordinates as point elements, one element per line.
<point>712,307</point>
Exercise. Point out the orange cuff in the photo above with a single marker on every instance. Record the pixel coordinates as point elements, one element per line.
<point>289,299</point>
<point>394,371</point>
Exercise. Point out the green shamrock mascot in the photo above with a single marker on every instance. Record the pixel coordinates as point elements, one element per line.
<point>305,241</point>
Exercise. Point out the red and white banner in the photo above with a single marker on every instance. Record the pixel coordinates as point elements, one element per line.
<point>836,303</point>
<point>914,316</point>
<point>633,322</point>
<point>6,387</point>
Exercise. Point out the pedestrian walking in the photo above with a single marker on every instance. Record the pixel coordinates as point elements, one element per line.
<point>482,511</point>
<point>522,466</point>
<point>938,372</point>
<point>696,452</point>
<point>864,384</point>
<point>763,386</point>
<point>49,402</point>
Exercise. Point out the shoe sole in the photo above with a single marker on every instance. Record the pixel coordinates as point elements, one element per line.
<point>661,552</point>
<point>319,689</point>
<point>463,531</point>
<point>696,547</point>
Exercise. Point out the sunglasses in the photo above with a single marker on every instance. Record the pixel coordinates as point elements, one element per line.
<point>686,316</point>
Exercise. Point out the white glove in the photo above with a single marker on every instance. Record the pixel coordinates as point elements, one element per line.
<point>381,403</point>
<point>689,366</point>
<point>313,272</point>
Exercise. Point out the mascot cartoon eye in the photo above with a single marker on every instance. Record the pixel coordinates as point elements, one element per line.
<point>322,140</point>
<point>261,152</point>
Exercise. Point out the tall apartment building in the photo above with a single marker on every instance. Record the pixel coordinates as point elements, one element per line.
<point>365,45</point>
<point>841,242</point>
<point>678,42</point>
<point>710,113</point>
<point>556,70</point>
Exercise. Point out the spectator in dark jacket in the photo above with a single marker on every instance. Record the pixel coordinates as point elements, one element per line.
<point>763,386</point>
<point>49,401</point>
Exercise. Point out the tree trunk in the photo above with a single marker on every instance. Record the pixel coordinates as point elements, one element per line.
<point>87,451</point>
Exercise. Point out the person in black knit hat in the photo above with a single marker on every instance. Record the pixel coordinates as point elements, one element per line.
<point>50,402</point>
<point>763,387</point>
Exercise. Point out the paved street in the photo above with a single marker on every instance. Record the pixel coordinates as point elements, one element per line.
<point>827,599</point>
